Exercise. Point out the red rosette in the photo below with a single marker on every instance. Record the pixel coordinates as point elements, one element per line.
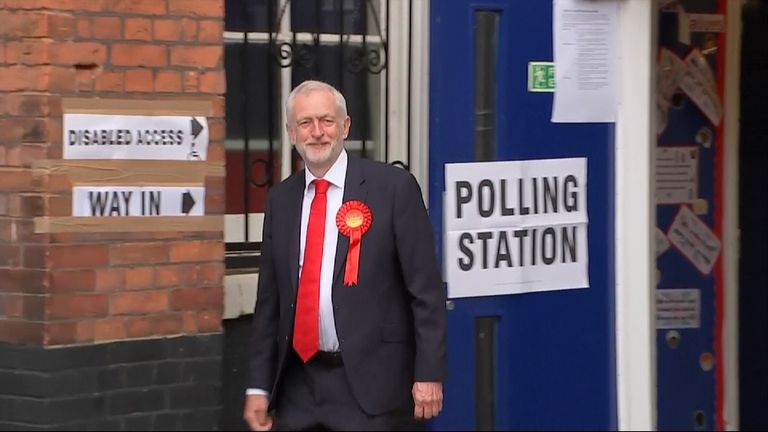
<point>353,220</point>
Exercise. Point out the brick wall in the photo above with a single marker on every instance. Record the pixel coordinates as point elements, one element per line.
<point>80,289</point>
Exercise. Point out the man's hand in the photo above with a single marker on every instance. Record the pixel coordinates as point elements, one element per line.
<point>255,413</point>
<point>428,399</point>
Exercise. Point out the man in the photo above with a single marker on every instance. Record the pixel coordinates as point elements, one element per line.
<point>349,326</point>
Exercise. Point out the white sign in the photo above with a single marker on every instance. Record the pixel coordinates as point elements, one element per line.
<point>677,174</point>
<point>117,201</point>
<point>678,308</point>
<point>694,240</point>
<point>99,136</point>
<point>515,227</point>
<point>585,61</point>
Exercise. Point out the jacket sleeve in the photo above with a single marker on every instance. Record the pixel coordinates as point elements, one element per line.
<point>418,261</point>
<point>263,346</point>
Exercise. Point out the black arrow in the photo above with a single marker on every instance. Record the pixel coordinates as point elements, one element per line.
<point>187,202</point>
<point>196,127</point>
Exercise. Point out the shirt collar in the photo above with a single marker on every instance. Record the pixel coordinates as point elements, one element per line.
<point>335,175</point>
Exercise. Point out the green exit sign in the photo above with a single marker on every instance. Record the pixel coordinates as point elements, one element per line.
<point>541,76</point>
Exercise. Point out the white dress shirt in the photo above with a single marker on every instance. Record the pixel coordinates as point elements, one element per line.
<point>336,176</point>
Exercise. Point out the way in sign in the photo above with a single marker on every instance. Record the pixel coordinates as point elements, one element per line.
<point>137,201</point>
<point>112,203</point>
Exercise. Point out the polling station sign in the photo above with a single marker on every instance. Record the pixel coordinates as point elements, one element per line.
<point>515,227</point>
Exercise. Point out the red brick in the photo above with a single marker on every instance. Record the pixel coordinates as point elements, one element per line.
<point>35,256</point>
<point>71,5</point>
<point>84,28</point>
<point>213,83</point>
<point>71,256</point>
<point>109,279</point>
<point>109,329</point>
<point>168,82</point>
<point>139,327</point>
<point>62,79</point>
<point>107,28</point>
<point>139,278</point>
<point>84,331</point>
<point>166,30</point>
<point>20,78</point>
<point>73,281</point>
<point>211,274</point>
<point>109,82</point>
<point>167,276</point>
<point>23,280</point>
<point>138,253</point>
<point>199,298</point>
<point>31,52</point>
<point>138,55</point>
<point>61,26</point>
<point>10,255</point>
<point>216,153</point>
<point>200,8</point>
<point>86,78</point>
<point>138,80</point>
<point>197,251</point>
<point>21,332</point>
<point>188,30</point>
<point>140,7</point>
<point>190,81</point>
<point>189,322</point>
<point>60,333</point>
<point>28,105</point>
<point>167,324</point>
<point>197,56</point>
<point>23,24</point>
<point>12,305</point>
<point>139,303</point>
<point>211,31</point>
<point>14,179</point>
<point>34,307</point>
<point>78,53</point>
<point>209,321</point>
<point>59,205</point>
<point>78,306</point>
<point>138,29</point>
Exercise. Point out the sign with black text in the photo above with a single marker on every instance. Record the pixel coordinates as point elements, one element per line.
<point>100,136</point>
<point>515,227</point>
<point>124,201</point>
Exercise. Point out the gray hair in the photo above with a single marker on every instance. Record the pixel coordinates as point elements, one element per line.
<point>309,86</point>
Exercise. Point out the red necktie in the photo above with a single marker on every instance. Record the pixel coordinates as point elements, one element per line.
<point>306,335</point>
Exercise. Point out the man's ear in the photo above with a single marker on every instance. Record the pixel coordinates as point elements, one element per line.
<point>291,133</point>
<point>347,123</point>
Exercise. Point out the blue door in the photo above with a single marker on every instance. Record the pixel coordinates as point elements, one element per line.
<point>542,360</point>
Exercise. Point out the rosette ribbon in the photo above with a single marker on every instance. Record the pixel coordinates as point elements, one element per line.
<point>353,220</point>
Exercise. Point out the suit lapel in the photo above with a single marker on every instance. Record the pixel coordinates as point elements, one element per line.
<point>295,200</point>
<point>355,189</point>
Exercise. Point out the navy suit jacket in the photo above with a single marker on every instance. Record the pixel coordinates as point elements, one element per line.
<point>391,325</point>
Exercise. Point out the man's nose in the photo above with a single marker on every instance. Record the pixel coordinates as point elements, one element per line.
<point>317,128</point>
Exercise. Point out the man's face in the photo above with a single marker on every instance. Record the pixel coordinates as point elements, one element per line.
<point>317,130</point>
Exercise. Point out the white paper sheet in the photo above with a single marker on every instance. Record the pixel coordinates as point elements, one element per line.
<point>585,61</point>
<point>516,226</point>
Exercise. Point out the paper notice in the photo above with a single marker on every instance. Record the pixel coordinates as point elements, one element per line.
<point>695,240</point>
<point>699,84</point>
<point>585,61</point>
<point>677,174</point>
<point>678,308</point>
